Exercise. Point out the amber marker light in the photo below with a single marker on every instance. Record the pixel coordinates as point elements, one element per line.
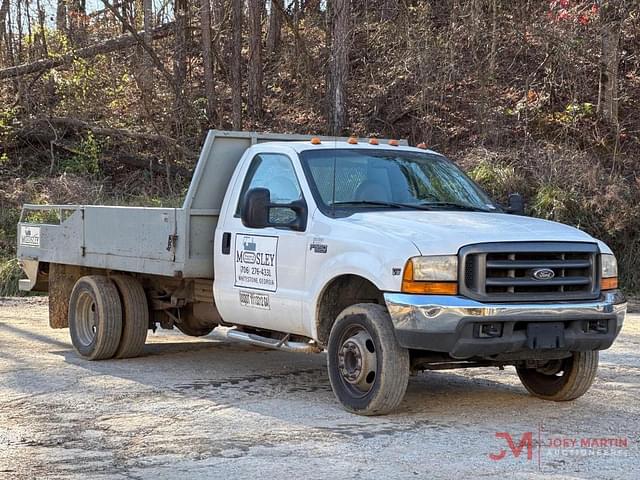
<point>315,141</point>
<point>394,143</point>
<point>422,145</point>
<point>352,140</point>
<point>373,141</point>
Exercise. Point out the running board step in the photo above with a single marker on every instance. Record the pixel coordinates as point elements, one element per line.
<point>283,344</point>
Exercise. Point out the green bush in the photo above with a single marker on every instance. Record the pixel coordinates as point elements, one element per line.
<point>553,203</point>
<point>497,178</point>
<point>10,274</point>
<point>86,160</point>
<point>8,230</point>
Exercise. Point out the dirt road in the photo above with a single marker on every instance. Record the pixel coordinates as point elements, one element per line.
<point>209,408</point>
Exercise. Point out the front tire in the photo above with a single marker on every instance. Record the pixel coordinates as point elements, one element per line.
<point>561,380</point>
<point>95,317</point>
<point>368,369</point>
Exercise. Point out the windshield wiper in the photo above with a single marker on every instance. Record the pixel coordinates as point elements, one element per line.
<point>414,206</point>
<point>374,203</point>
<point>458,206</point>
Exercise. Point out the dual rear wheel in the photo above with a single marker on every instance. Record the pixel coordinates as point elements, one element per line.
<point>108,317</point>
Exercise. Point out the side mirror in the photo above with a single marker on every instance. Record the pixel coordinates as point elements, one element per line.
<point>516,204</point>
<point>256,211</point>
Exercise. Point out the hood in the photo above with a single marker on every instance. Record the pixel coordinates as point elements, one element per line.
<point>445,232</point>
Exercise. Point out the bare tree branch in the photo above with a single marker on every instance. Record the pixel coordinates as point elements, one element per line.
<point>111,45</point>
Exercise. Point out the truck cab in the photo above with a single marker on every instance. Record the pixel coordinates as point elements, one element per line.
<point>388,257</point>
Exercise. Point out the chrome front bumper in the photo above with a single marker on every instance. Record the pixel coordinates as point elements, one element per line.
<point>446,323</point>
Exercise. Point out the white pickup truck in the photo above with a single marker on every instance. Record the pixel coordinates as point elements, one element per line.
<point>384,255</point>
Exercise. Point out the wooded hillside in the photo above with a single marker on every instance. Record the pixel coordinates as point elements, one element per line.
<point>111,105</point>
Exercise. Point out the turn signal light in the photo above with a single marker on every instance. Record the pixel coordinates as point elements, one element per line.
<point>352,140</point>
<point>315,141</point>
<point>394,143</point>
<point>430,288</point>
<point>609,283</point>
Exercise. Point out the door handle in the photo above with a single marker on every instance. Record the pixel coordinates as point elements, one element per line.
<point>226,243</point>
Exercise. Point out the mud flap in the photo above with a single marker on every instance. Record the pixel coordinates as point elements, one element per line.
<point>61,282</point>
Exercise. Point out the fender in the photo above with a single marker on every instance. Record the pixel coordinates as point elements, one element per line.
<point>375,269</point>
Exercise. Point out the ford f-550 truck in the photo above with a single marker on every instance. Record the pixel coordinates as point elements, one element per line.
<point>386,256</point>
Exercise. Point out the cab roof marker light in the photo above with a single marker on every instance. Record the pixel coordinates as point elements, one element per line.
<point>422,145</point>
<point>394,143</point>
<point>315,141</point>
<point>352,140</point>
<point>374,141</point>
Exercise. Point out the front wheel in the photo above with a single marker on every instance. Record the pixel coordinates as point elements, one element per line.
<point>561,380</point>
<point>368,369</point>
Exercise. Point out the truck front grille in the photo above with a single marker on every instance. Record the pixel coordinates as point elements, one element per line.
<point>516,272</point>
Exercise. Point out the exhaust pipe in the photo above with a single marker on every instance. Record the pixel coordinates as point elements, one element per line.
<point>283,344</point>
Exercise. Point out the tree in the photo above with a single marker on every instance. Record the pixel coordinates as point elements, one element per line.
<point>612,13</point>
<point>275,29</point>
<point>254,98</point>
<point>77,22</point>
<point>236,52</point>
<point>147,22</point>
<point>339,31</point>
<point>180,62</point>
<point>61,15</point>
<point>207,58</point>
<point>4,10</point>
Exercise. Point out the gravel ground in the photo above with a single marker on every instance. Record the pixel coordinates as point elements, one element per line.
<point>211,408</point>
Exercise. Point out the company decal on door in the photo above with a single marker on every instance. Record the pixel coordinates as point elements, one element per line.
<point>256,262</point>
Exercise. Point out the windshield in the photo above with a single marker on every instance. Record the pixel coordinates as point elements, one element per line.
<point>356,179</point>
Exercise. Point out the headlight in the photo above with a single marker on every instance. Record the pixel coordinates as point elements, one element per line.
<point>608,272</point>
<point>435,268</point>
<point>436,274</point>
<point>609,266</point>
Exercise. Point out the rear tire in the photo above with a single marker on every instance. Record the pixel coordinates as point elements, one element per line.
<point>95,317</point>
<point>567,379</point>
<point>368,369</point>
<point>135,321</point>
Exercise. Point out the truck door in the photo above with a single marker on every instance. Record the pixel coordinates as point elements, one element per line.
<point>259,272</point>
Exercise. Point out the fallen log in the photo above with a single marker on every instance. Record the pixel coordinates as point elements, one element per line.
<point>114,44</point>
<point>45,130</point>
<point>144,163</point>
<point>123,158</point>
